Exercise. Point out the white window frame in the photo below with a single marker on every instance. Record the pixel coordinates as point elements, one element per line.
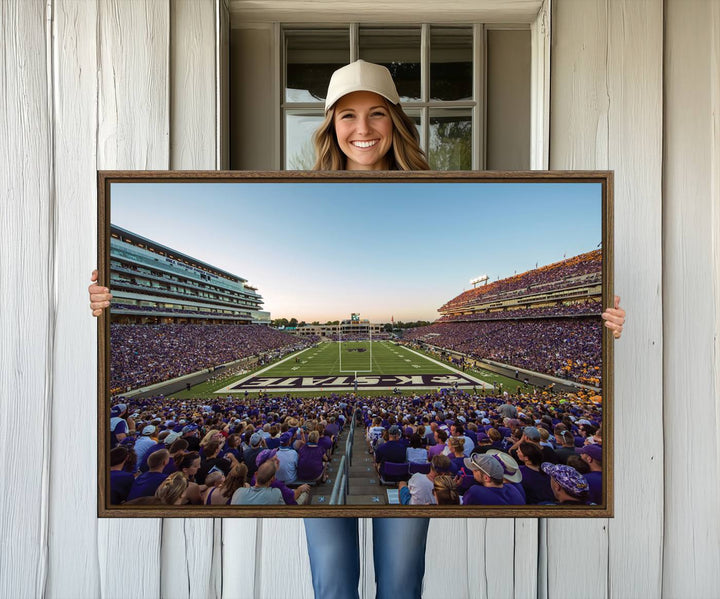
<point>476,106</point>
<point>538,20</point>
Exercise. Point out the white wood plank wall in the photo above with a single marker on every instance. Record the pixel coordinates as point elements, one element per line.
<point>134,84</point>
<point>73,523</point>
<point>606,112</point>
<point>133,133</point>
<point>579,101</point>
<point>691,300</point>
<point>27,317</point>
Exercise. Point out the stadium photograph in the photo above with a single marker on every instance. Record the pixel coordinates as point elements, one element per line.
<point>374,345</point>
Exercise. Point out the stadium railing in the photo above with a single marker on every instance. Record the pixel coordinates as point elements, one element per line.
<point>340,488</point>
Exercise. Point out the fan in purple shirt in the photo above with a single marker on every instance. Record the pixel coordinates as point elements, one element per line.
<point>592,456</point>
<point>311,459</point>
<point>122,463</point>
<point>147,483</point>
<point>490,489</point>
<point>535,482</point>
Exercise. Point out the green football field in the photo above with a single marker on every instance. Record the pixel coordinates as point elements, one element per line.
<point>332,366</point>
<point>378,357</point>
<point>354,366</point>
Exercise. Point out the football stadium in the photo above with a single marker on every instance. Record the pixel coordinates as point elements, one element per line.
<point>204,390</point>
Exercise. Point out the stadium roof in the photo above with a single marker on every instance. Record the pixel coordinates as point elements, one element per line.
<point>172,253</point>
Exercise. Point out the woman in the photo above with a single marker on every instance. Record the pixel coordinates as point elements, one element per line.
<point>364,129</point>
<point>212,460</point>
<point>233,481</point>
<point>445,490</point>
<point>213,482</point>
<point>233,447</point>
<point>172,491</point>
<point>456,454</point>
<point>188,466</point>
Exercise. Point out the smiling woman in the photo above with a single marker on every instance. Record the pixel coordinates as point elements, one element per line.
<point>365,127</point>
<point>364,130</point>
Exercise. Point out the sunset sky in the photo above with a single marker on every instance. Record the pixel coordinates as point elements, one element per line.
<point>319,251</point>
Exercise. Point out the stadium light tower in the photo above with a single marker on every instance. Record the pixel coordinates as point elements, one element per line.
<point>477,280</point>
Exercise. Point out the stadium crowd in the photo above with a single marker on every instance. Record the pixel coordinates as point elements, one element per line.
<point>447,446</point>
<point>583,308</point>
<point>179,311</point>
<point>458,447</point>
<point>143,354</point>
<point>570,348</point>
<point>220,449</point>
<point>583,268</point>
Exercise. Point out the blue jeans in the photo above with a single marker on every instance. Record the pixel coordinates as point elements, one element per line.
<point>398,552</point>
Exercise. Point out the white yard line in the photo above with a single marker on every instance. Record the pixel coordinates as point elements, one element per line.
<point>232,388</point>
<point>227,388</point>
<point>450,368</point>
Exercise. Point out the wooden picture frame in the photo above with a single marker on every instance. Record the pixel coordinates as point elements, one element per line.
<point>597,184</point>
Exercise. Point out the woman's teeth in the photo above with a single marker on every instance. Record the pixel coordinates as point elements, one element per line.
<point>364,144</point>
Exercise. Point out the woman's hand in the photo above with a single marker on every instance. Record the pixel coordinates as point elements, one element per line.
<point>99,296</point>
<point>615,318</point>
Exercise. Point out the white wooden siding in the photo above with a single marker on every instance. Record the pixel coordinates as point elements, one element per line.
<point>75,90</point>
<point>27,317</point>
<point>119,84</point>
<point>691,302</point>
<point>133,133</point>
<point>579,101</point>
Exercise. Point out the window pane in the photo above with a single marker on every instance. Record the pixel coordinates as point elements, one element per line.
<point>299,149</point>
<point>451,56</point>
<point>311,58</point>
<point>399,51</point>
<point>450,145</point>
<point>414,115</point>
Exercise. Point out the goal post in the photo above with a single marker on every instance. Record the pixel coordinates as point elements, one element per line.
<point>355,363</point>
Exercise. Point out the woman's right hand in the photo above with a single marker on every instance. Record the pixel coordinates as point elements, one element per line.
<point>99,296</point>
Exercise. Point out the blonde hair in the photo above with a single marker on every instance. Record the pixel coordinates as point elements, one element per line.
<point>446,490</point>
<point>404,155</point>
<point>172,488</point>
<point>209,436</point>
<point>457,442</point>
<point>236,478</point>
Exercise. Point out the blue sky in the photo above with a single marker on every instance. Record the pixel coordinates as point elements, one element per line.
<point>319,251</point>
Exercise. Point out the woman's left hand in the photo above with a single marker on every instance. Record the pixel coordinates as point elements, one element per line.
<point>615,318</point>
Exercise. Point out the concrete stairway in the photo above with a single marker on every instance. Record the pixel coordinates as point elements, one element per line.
<point>363,484</point>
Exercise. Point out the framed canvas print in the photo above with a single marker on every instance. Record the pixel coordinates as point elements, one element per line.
<point>369,344</point>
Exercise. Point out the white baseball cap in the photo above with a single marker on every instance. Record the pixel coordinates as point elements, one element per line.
<point>361,76</point>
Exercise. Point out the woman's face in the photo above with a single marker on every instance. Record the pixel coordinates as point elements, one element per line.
<point>364,130</point>
<point>194,468</point>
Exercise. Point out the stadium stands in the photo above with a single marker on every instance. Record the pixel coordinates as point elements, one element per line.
<point>559,284</point>
<point>143,354</point>
<point>546,320</point>
<point>478,417</point>
<point>152,283</point>
<point>561,347</point>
